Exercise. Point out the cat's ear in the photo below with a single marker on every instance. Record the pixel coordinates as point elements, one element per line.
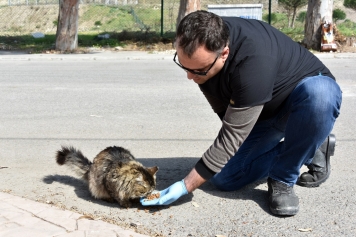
<point>152,170</point>
<point>139,178</point>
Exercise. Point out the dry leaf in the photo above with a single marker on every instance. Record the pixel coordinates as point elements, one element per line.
<point>86,217</point>
<point>305,230</point>
<point>195,204</point>
<point>133,224</point>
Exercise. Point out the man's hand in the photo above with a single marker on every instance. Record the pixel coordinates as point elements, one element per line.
<point>176,190</point>
<point>167,196</point>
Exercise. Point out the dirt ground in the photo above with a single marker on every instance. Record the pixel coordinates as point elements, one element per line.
<point>347,49</point>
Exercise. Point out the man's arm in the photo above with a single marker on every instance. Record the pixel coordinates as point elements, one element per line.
<point>193,180</point>
<point>236,126</point>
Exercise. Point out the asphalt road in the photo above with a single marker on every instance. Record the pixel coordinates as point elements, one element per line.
<point>144,103</point>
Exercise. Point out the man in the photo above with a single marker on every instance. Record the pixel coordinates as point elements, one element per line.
<point>278,104</point>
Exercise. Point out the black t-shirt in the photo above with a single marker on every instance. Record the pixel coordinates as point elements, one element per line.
<point>263,67</point>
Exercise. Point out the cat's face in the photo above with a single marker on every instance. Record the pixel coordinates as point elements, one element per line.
<point>144,183</point>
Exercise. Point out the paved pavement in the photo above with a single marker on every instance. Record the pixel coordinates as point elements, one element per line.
<point>24,217</point>
<point>21,217</point>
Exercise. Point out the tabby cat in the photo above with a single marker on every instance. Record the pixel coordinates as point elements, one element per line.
<point>113,175</point>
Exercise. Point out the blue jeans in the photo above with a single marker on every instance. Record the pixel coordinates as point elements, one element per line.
<point>304,121</point>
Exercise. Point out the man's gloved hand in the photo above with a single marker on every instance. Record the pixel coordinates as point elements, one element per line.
<point>167,196</point>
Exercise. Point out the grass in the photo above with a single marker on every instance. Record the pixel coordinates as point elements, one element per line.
<point>347,28</point>
<point>27,42</point>
<point>110,18</point>
<point>87,40</point>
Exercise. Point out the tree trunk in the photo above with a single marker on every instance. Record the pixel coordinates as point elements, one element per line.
<point>288,16</point>
<point>294,16</point>
<point>186,7</point>
<point>67,29</point>
<point>318,12</point>
<point>326,11</point>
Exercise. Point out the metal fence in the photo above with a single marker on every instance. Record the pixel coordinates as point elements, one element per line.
<point>45,2</point>
<point>19,17</point>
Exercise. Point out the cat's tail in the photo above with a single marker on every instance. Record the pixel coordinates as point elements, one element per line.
<point>75,160</point>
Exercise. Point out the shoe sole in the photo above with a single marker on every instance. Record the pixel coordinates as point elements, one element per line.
<point>285,211</point>
<point>329,151</point>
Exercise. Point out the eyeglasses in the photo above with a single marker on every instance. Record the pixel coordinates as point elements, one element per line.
<point>196,72</point>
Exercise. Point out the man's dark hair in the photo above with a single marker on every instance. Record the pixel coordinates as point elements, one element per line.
<point>202,28</point>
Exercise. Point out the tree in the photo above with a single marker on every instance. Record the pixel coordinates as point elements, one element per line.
<point>292,6</point>
<point>67,28</point>
<point>186,7</point>
<point>301,16</point>
<point>274,18</point>
<point>350,4</point>
<point>338,14</point>
<point>318,12</point>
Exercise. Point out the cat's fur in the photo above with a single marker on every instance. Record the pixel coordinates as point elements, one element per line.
<point>114,174</point>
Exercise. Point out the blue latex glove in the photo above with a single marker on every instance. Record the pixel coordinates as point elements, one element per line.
<point>167,196</point>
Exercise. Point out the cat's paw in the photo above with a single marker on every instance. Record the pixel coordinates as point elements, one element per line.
<point>125,203</point>
<point>111,200</point>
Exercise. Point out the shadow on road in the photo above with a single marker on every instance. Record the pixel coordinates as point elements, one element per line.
<point>80,187</point>
<point>174,169</point>
<point>82,191</point>
<point>170,171</point>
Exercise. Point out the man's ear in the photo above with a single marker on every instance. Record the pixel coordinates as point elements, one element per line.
<point>225,53</point>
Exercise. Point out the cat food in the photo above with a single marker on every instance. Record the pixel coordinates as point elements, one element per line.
<point>152,196</point>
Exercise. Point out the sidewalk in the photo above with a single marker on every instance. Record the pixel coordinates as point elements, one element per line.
<point>122,55</point>
<point>23,217</point>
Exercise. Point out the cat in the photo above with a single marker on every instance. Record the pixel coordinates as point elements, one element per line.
<point>114,174</point>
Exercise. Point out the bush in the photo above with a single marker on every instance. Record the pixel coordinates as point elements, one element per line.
<point>338,14</point>
<point>301,16</point>
<point>350,4</point>
<point>274,17</point>
<point>98,23</point>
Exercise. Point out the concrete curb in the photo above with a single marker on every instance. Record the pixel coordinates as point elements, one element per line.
<point>122,55</point>
<point>92,56</point>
